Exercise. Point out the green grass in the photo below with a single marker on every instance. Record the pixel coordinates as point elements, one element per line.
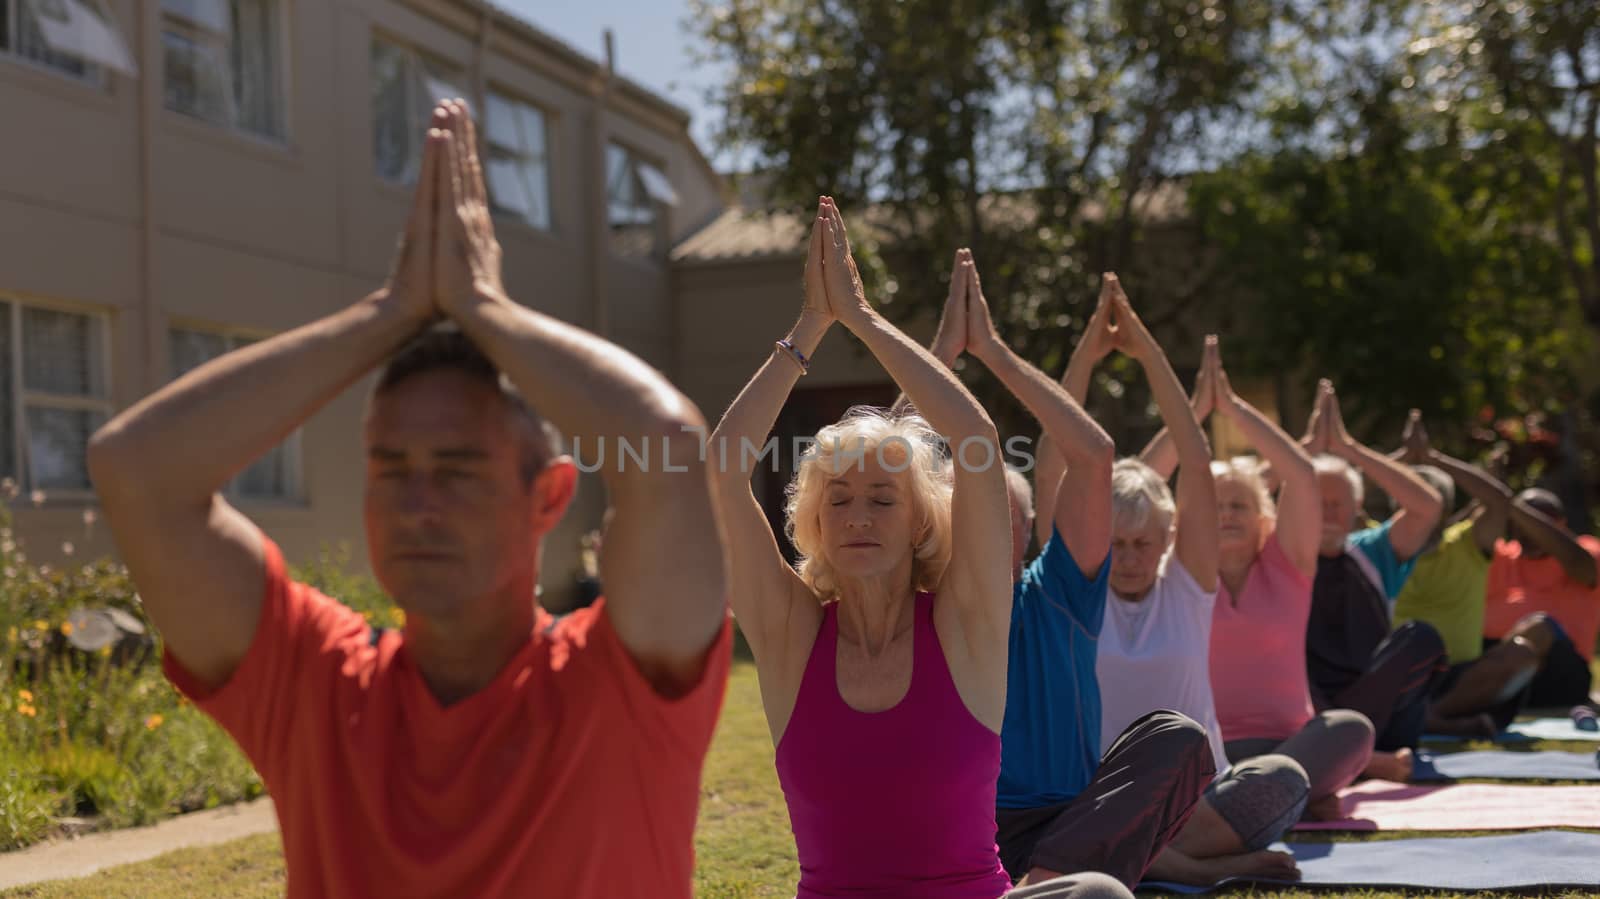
<point>743,844</point>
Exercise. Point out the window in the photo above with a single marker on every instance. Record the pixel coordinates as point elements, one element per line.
<point>72,37</point>
<point>276,474</point>
<point>405,87</point>
<point>517,166</point>
<point>635,191</point>
<point>221,63</point>
<point>53,395</point>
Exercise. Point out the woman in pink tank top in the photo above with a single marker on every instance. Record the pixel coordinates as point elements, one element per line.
<point>882,659</point>
<point>1267,559</point>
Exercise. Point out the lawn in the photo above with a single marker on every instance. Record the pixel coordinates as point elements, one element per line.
<point>743,843</point>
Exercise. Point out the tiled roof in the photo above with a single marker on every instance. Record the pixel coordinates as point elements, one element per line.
<point>741,235</point>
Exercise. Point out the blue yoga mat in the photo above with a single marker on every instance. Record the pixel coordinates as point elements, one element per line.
<point>1500,765</point>
<point>1549,859</point>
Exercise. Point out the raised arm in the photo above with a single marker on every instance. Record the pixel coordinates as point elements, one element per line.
<point>662,558</point>
<point>773,605</point>
<point>1196,541</point>
<point>1082,498</point>
<point>1551,536</point>
<point>1493,498</point>
<point>199,564</point>
<point>1299,525</point>
<point>1097,342</point>
<point>950,340</point>
<point>1160,453</point>
<point>1420,504</point>
<point>977,581</point>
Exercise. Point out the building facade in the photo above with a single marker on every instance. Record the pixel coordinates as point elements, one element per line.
<point>182,177</point>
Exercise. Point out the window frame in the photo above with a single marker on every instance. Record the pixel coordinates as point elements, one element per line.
<point>417,63</point>
<point>293,445</point>
<point>542,158</point>
<point>633,159</point>
<point>23,399</point>
<point>196,33</point>
<point>94,76</point>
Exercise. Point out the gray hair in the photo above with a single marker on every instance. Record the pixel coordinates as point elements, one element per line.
<point>1326,464</point>
<point>1139,496</point>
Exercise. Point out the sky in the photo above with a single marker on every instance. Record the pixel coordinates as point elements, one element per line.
<point>652,47</point>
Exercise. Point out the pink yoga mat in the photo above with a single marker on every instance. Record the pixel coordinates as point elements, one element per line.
<point>1381,805</point>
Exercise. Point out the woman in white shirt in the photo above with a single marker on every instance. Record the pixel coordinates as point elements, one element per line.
<point>1155,641</point>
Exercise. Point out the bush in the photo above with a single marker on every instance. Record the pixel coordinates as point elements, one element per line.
<point>105,737</point>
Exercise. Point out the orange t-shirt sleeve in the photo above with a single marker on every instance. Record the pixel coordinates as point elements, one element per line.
<point>683,722</point>
<point>301,636</point>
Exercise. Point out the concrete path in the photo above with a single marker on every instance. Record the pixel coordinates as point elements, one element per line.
<point>87,854</point>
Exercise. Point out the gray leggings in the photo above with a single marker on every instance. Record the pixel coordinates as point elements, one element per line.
<point>1333,748</point>
<point>1261,798</point>
<point>1084,885</point>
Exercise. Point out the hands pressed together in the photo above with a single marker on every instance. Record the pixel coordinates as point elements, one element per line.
<point>448,254</point>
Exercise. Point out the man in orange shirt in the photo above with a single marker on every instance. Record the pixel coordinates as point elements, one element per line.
<point>487,750</point>
<point>1560,586</point>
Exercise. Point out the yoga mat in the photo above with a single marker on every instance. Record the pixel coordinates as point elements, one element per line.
<point>1499,765</point>
<point>1551,859</point>
<point>1381,805</point>
<point>1552,729</point>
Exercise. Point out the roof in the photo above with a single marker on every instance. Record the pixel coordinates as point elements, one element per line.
<point>750,235</point>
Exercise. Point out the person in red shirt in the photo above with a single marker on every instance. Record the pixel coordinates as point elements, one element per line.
<point>486,749</point>
<point>1548,575</point>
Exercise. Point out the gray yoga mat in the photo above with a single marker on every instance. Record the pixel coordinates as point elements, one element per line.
<point>1496,764</point>
<point>1546,859</point>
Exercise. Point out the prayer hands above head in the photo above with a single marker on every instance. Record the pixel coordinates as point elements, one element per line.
<point>411,282</point>
<point>1100,335</point>
<point>846,297</point>
<point>1131,337</point>
<point>1339,439</point>
<point>950,341</point>
<point>1316,439</point>
<point>981,333</point>
<point>816,290</point>
<point>466,264</point>
<point>1414,440</point>
<point>1205,381</point>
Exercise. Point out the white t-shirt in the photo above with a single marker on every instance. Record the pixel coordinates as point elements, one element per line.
<point>1155,654</point>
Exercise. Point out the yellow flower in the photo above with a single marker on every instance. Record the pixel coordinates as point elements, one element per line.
<point>28,710</point>
<point>66,628</point>
<point>399,617</point>
<point>25,695</point>
<point>11,635</point>
<point>39,624</point>
<point>152,722</point>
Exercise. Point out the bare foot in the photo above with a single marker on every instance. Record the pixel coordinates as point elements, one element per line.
<point>1391,766</point>
<point>1328,808</point>
<point>1178,868</point>
<point>1265,863</point>
<point>1475,727</point>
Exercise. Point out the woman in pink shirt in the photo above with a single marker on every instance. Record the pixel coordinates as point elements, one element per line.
<point>1267,558</point>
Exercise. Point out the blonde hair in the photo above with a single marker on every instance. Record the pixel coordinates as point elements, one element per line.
<point>1139,495</point>
<point>900,439</point>
<point>1246,471</point>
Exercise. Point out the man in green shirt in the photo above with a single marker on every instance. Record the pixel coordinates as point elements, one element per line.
<point>1483,690</point>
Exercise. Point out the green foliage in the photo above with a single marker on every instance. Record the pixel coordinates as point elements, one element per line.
<point>91,735</point>
<point>1403,195</point>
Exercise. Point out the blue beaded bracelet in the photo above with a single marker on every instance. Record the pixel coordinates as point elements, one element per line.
<point>799,357</point>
